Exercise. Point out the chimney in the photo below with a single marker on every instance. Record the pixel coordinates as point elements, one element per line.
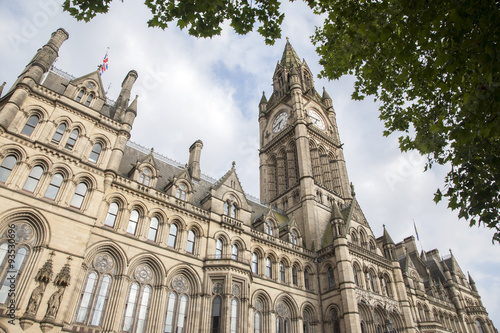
<point>194,159</point>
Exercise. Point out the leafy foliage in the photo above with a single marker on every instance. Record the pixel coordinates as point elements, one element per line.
<point>433,65</point>
<point>202,18</point>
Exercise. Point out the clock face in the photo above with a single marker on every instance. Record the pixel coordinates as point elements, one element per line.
<point>280,122</point>
<point>316,119</point>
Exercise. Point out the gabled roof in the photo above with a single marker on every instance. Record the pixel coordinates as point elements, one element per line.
<point>95,77</point>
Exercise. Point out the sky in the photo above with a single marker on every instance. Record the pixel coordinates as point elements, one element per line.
<point>209,89</point>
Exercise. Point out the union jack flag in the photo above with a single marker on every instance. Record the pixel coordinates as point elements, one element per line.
<point>104,65</point>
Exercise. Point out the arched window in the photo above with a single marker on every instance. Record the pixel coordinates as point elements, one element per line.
<point>6,168</point>
<point>136,309</point>
<point>145,176</point>
<point>233,211</point>
<point>305,322</point>
<point>59,133</point>
<point>14,269</point>
<point>33,179</point>
<point>172,236</point>
<point>269,267</point>
<point>233,325</point>
<point>257,322</point>
<point>216,315</point>
<point>255,263</point>
<point>176,313</point>
<point>70,144</point>
<point>190,242</point>
<point>132,222</point>
<point>218,249</point>
<point>363,328</point>
<point>387,289</point>
<point>306,279</point>
<point>282,272</point>
<point>226,208</point>
<point>295,280</point>
<point>269,228</point>
<point>181,192</point>
<point>372,283</point>
<point>282,319</point>
<point>95,153</point>
<point>479,325</point>
<point>153,229</point>
<point>293,237</point>
<point>93,297</point>
<point>30,125</point>
<point>355,273</point>
<point>234,253</point>
<point>89,99</point>
<point>111,216</point>
<point>80,192</point>
<point>80,95</point>
<point>331,277</point>
<point>335,321</point>
<point>54,186</point>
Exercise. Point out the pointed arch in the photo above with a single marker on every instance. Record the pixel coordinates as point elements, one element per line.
<point>271,177</point>
<point>316,162</point>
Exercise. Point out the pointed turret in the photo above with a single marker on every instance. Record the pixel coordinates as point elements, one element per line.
<point>263,103</point>
<point>1,88</point>
<point>337,221</point>
<point>194,159</point>
<point>327,100</point>
<point>471,282</point>
<point>123,99</point>
<point>388,245</point>
<point>131,112</point>
<point>31,76</point>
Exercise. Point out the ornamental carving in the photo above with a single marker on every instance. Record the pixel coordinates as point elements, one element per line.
<point>282,310</point>
<point>258,305</point>
<point>144,274</point>
<point>372,300</point>
<point>180,284</point>
<point>103,263</point>
<point>23,233</point>
<point>236,290</point>
<point>217,289</point>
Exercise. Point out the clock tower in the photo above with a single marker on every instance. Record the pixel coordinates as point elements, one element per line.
<point>302,167</point>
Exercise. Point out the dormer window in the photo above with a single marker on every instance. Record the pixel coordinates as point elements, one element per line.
<point>269,228</point>
<point>145,176</point>
<point>89,99</point>
<point>293,237</point>
<point>80,95</point>
<point>181,192</point>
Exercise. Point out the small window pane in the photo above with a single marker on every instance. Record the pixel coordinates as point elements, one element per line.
<point>59,134</point>
<point>255,263</point>
<point>216,318</point>
<point>30,125</point>
<point>80,95</point>
<point>268,268</point>
<point>33,179</point>
<point>18,263</point>
<point>54,186</point>
<point>294,276</point>
<point>83,309</point>
<point>169,320</point>
<point>72,139</point>
<point>153,229</point>
<point>96,151</point>
<point>172,235</point>
<point>218,249</point>
<point>282,272</point>
<point>234,316</point>
<point>256,323</point>
<point>89,99</point>
<point>81,191</point>
<point>101,301</point>
<point>143,310</point>
<point>233,211</point>
<point>190,241</point>
<point>112,213</point>
<point>235,252</point>
<point>132,223</point>
<point>6,168</point>
<point>181,317</point>
<point>130,307</point>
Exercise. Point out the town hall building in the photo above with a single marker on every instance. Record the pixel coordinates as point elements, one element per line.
<point>98,234</point>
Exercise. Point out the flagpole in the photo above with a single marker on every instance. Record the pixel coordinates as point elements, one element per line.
<point>418,238</point>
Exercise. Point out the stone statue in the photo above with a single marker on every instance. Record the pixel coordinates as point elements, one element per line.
<point>54,302</point>
<point>35,299</point>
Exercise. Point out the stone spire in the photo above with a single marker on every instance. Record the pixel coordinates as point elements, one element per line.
<point>290,57</point>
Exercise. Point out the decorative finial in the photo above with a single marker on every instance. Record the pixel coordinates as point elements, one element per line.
<point>152,149</point>
<point>234,164</point>
<point>287,39</point>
